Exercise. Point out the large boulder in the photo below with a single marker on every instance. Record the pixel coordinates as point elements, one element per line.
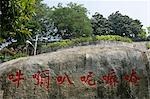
<point>128,70</point>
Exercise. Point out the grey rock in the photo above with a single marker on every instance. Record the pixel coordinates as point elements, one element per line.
<point>76,62</point>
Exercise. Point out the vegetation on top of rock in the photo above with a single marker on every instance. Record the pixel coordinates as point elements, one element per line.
<point>24,20</point>
<point>77,41</point>
<point>148,45</point>
<point>7,55</point>
<point>114,38</point>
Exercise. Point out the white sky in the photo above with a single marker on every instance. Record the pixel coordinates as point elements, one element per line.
<point>136,9</point>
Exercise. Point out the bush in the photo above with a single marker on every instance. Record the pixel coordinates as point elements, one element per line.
<point>1,40</point>
<point>81,40</point>
<point>5,58</point>
<point>148,45</point>
<point>113,38</point>
<point>18,55</point>
<point>77,41</point>
<point>67,43</point>
<point>60,44</point>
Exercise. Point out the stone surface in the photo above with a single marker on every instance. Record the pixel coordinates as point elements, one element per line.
<point>76,62</point>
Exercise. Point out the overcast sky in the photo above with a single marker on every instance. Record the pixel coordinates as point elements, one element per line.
<point>136,9</point>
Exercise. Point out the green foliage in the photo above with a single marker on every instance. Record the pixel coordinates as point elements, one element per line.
<point>77,41</point>
<point>142,34</point>
<point>15,15</point>
<point>123,25</point>
<point>63,43</point>
<point>71,21</point>
<point>148,45</point>
<point>41,23</point>
<point>148,29</point>
<point>113,38</point>
<point>18,55</point>
<point>100,25</point>
<point>1,40</point>
<point>5,58</point>
<point>117,24</point>
<point>81,40</point>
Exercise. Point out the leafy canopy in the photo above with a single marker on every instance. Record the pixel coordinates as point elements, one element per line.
<point>14,15</point>
<point>71,21</point>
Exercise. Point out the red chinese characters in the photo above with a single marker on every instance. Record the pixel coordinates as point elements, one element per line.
<point>88,79</point>
<point>110,78</point>
<point>16,78</point>
<point>60,79</point>
<point>42,78</point>
<point>132,78</point>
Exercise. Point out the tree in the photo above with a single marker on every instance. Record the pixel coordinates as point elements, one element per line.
<point>148,31</point>
<point>14,16</point>
<point>124,25</point>
<point>71,21</point>
<point>142,35</point>
<point>100,25</point>
<point>41,24</point>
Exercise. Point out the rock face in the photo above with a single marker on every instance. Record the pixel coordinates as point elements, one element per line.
<point>87,72</point>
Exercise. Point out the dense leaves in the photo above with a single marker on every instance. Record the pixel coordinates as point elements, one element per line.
<point>21,19</point>
<point>117,24</point>
<point>148,30</point>
<point>82,40</point>
<point>24,20</point>
<point>14,15</point>
<point>124,25</point>
<point>71,21</point>
<point>100,25</point>
<point>41,23</point>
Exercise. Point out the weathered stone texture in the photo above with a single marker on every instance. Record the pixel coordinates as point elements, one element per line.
<point>76,62</point>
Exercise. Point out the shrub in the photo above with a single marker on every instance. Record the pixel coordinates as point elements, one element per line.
<point>77,41</point>
<point>148,45</point>
<point>113,38</point>
<point>60,44</point>
<point>65,43</point>
<point>81,40</point>
<point>19,54</point>
<point>1,40</point>
<point>5,58</point>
